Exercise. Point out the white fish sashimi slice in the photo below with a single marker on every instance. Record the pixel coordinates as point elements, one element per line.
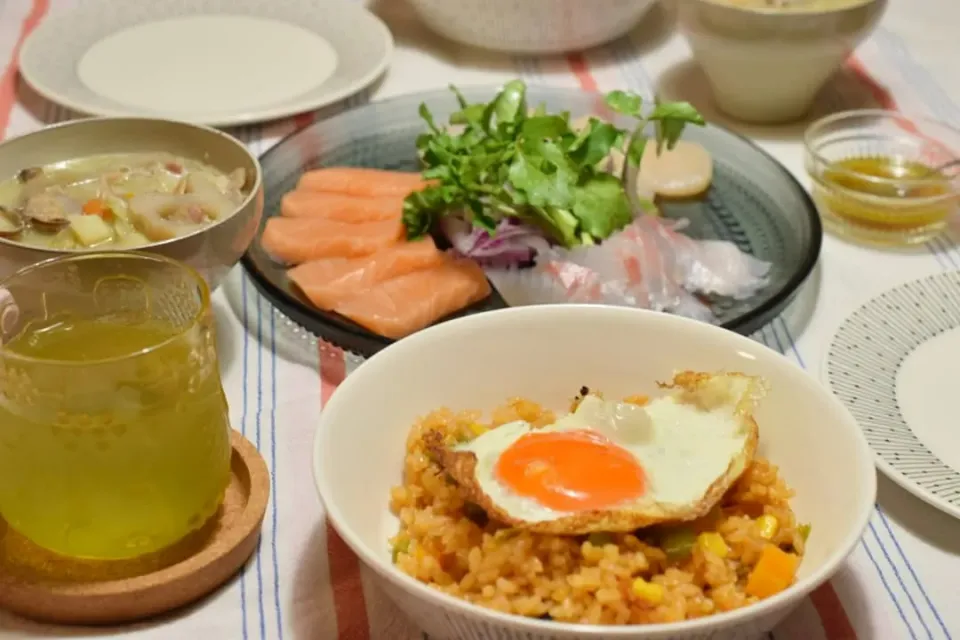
<point>722,269</point>
<point>657,275</point>
<point>628,270</point>
<point>713,267</point>
<point>561,281</point>
<point>681,172</point>
<point>648,266</point>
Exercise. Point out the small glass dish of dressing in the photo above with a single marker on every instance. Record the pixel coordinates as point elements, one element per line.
<point>882,177</point>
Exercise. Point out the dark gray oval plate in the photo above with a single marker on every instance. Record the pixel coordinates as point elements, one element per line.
<point>753,202</point>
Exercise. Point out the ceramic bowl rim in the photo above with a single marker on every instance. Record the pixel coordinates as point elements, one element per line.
<point>774,13</point>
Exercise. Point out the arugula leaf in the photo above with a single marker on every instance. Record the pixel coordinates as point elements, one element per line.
<point>427,117</point>
<point>601,205</point>
<point>508,162</point>
<point>600,138</point>
<point>541,189</point>
<point>681,111</point>
<point>470,114</point>
<point>539,127</point>
<point>670,119</point>
<point>626,103</point>
<point>511,104</point>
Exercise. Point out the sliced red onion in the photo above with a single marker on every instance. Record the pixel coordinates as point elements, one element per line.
<point>512,243</point>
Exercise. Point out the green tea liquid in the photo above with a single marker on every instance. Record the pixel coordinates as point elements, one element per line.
<point>117,466</point>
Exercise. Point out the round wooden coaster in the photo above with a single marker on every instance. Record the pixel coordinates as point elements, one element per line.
<point>44,586</point>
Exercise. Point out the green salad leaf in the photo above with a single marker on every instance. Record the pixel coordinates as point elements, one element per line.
<point>503,160</point>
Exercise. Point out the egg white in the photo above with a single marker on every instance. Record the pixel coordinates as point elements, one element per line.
<point>683,443</point>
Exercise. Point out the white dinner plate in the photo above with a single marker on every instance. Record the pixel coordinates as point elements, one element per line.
<point>214,62</point>
<point>895,364</point>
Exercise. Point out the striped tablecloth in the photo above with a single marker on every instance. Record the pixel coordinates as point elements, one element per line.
<point>304,584</point>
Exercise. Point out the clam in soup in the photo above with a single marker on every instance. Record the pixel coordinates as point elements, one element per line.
<point>116,201</point>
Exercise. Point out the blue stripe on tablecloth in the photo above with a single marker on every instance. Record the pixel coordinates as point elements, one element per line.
<point>896,571</point>
<point>886,586</point>
<point>253,139</point>
<point>265,545</point>
<point>871,526</point>
<point>949,262</point>
<point>941,105</point>
<point>243,430</point>
<point>249,134</point>
<point>788,346</point>
<point>633,72</point>
<point>273,476</point>
<point>259,414</point>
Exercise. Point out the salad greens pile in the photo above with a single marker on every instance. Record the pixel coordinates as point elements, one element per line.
<point>499,163</point>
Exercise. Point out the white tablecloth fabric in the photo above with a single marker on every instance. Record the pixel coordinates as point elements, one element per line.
<point>303,583</point>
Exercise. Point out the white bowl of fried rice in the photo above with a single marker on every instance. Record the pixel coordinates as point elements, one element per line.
<point>806,493</point>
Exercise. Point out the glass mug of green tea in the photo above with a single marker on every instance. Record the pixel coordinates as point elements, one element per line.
<point>114,429</point>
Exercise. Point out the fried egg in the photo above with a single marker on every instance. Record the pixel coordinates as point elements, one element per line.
<point>615,466</point>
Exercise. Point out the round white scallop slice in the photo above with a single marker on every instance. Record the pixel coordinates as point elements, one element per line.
<point>681,172</point>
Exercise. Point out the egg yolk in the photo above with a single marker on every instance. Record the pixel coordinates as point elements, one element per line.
<point>576,470</point>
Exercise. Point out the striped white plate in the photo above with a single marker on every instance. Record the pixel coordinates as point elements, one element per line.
<point>895,364</point>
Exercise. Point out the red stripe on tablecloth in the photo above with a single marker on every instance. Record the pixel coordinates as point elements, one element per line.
<point>878,92</point>
<point>833,617</point>
<point>581,71</point>
<point>333,369</point>
<point>348,599</point>
<point>936,153</point>
<point>8,81</point>
<point>303,119</point>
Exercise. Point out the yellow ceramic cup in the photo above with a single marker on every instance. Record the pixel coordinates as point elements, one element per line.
<point>114,431</point>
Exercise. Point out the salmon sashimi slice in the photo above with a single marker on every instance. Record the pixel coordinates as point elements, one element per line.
<point>405,304</point>
<point>336,206</point>
<point>296,240</point>
<point>327,283</point>
<point>365,183</point>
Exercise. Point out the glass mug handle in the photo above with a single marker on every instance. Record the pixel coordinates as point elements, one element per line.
<point>9,314</point>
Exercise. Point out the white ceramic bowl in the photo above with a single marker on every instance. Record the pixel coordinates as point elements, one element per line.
<point>532,26</point>
<point>547,353</point>
<point>768,65</point>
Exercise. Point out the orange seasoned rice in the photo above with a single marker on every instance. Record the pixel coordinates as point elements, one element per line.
<point>587,579</point>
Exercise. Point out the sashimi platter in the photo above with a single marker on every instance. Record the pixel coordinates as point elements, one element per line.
<point>404,213</point>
